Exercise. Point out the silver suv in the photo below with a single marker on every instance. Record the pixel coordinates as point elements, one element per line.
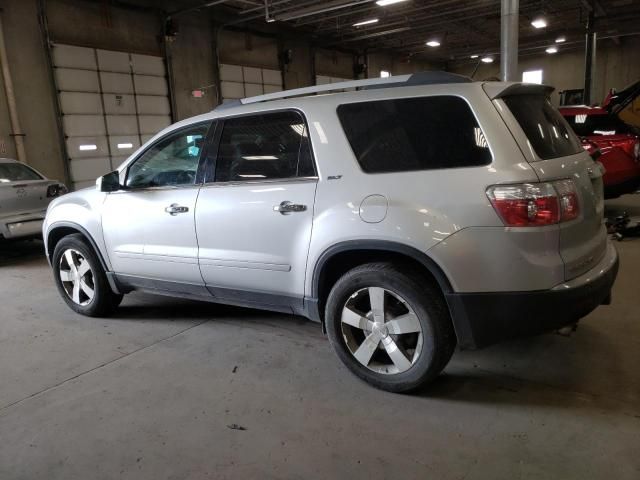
<point>406,214</point>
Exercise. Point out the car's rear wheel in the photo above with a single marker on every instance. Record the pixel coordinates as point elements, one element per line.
<point>80,278</point>
<point>389,326</point>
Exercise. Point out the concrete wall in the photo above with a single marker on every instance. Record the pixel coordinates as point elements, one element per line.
<point>94,24</point>
<point>35,96</point>
<point>333,63</point>
<point>298,73</point>
<point>616,67</point>
<point>243,48</point>
<point>193,63</point>
<point>397,65</point>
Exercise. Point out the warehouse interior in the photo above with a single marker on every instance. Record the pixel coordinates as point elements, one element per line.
<point>177,388</point>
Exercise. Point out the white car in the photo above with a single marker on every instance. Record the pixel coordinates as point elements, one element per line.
<point>24,197</point>
<point>416,213</point>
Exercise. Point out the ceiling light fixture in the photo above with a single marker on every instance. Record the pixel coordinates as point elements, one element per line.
<point>366,22</point>
<point>384,3</point>
<point>552,50</point>
<point>539,22</point>
<point>487,59</point>
<point>433,43</point>
<point>475,56</point>
<point>561,39</point>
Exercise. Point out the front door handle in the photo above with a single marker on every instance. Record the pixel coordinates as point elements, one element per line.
<point>175,209</point>
<point>289,207</point>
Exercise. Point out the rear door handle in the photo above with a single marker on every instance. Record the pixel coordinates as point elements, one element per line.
<point>289,207</point>
<point>175,209</point>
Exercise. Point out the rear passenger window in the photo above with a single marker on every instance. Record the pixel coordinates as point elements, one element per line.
<point>262,147</point>
<point>407,134</point>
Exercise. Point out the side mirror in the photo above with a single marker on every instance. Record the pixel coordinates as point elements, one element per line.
<point>109,182</point>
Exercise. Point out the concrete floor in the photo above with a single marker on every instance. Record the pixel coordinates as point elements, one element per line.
<point>152,393</point>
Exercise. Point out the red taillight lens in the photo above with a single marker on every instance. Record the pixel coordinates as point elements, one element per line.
<point>535,204</point>
<point>568,199</point>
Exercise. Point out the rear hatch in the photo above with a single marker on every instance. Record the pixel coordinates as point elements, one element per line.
<point>22,189</point>
<point>555,153</point>
<point>626,105</point>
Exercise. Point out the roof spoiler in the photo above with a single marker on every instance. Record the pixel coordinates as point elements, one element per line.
<point>500,90</point>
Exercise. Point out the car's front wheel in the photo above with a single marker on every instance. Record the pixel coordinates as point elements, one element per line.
<point>80,278</point>
<point>389,326</point>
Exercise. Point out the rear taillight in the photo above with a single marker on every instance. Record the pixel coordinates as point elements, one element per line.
<point>568,200</point>
<point>535,204</point>
<point>56,190</point>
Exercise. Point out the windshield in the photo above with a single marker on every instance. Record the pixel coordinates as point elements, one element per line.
<point>548,132</point>
<point>16,172</point>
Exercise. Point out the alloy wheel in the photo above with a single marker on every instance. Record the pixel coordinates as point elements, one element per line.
<point>381,330</point>
<point>77,277</point>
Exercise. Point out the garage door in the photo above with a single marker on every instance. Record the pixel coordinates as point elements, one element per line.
<point>238,81</point>
<point>111,102</point>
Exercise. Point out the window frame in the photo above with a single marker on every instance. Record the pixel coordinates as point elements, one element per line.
<point>471,109</point>
<point>211,126</point>
<point>213,150</point>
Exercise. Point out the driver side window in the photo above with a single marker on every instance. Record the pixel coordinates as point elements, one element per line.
<point>173,160</point>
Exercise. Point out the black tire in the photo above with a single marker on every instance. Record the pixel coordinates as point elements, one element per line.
<point>419,293</point>
<point>104,301</point>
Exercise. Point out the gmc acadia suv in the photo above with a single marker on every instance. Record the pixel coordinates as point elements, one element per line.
<point>407,215</point>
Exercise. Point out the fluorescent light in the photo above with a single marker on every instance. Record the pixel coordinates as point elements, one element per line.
<point>539,22</point>
<point>552,50</point>
<point>260,157</point>
<point>366,22</point>
<point>487,59</point>
<point>433,43</point>
<point>561,39</point>
<point>475,56</point>
<point>384,3</point>
<point>532,76</point>
<point>88,147</point>
<point>125,145</point>
<point>252,176</point>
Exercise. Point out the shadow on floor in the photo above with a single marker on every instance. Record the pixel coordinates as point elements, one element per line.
<point>18,252</point>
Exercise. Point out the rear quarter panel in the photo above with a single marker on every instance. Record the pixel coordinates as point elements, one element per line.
<point>424,207</point>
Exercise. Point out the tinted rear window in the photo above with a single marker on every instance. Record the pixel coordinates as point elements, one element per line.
<point>592,125</point>
<point>548,132</point>
<point>407,134</point>
<point>16,172</point>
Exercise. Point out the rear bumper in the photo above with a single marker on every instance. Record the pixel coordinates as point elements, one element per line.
<point>21,226</point>
<point>481,319</point>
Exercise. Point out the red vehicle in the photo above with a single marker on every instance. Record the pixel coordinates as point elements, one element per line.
<point>603,128</point>
<point>617,141</point>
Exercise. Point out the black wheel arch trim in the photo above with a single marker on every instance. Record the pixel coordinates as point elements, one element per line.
<point>382,245</point>
<point>313,305</point>
<point>80,229</point>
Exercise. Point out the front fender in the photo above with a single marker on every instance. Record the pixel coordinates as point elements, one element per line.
<point>82,211</point>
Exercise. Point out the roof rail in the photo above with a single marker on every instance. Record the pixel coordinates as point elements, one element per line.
<point>421,78</point>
